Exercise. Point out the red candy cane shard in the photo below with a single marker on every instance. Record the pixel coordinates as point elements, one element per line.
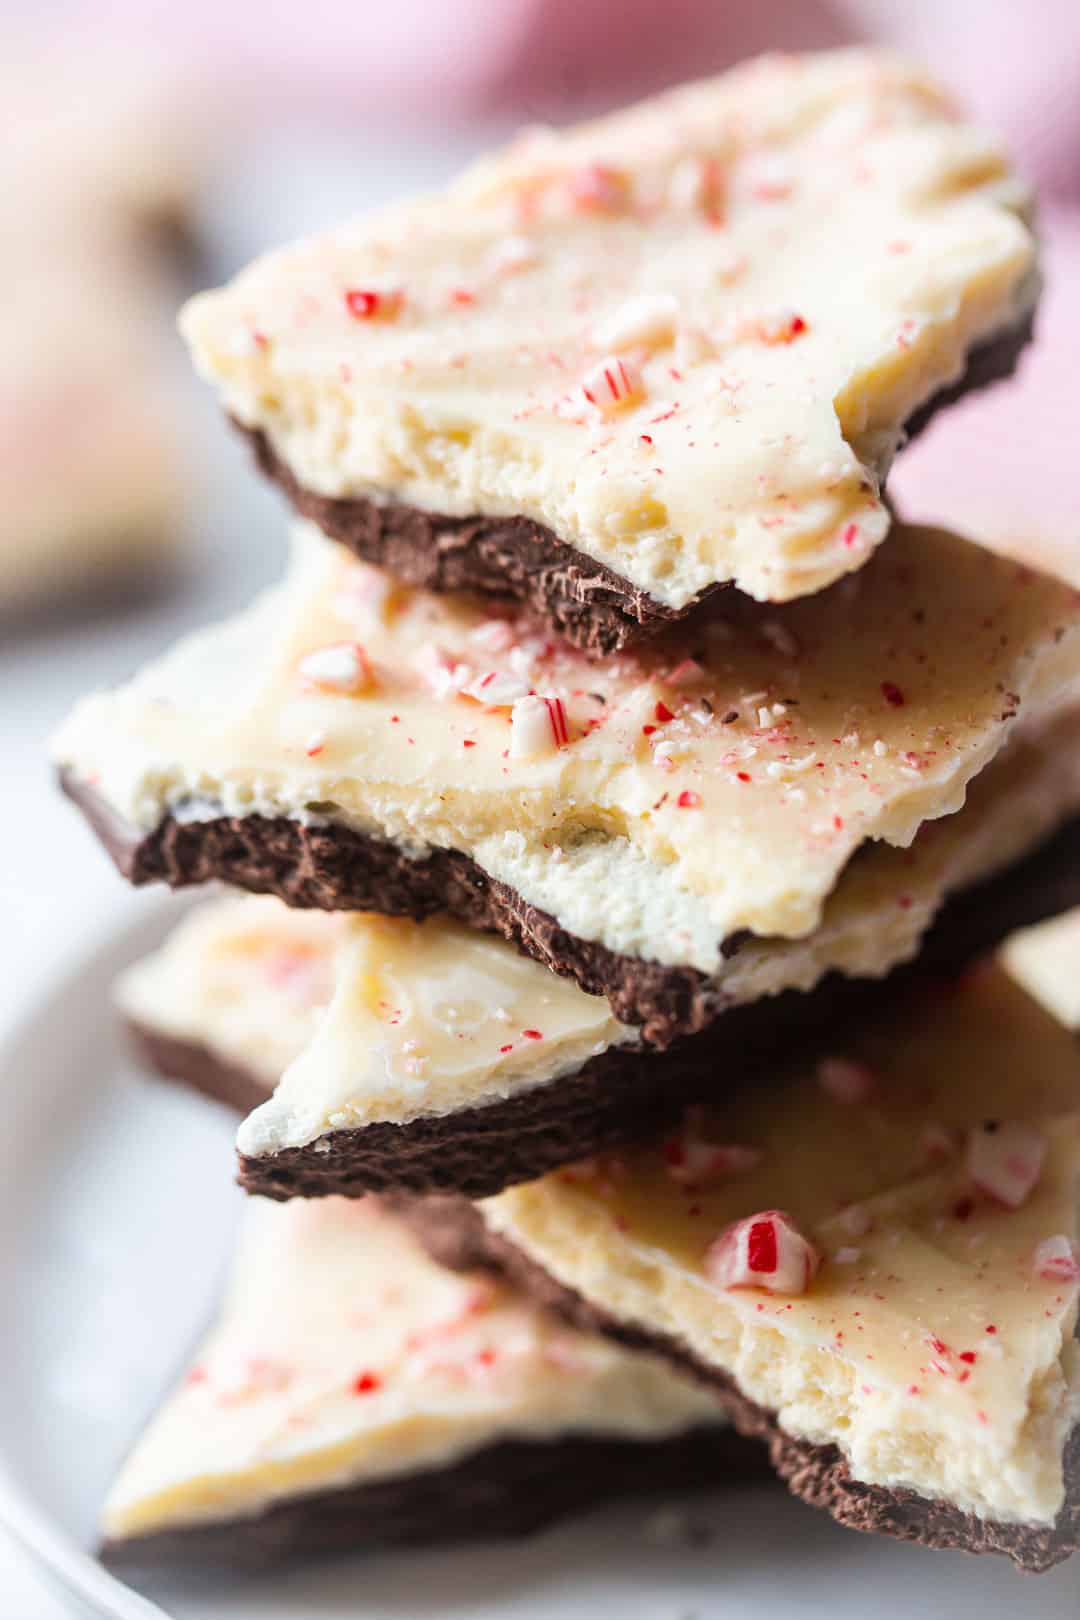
<point>763,1251</point>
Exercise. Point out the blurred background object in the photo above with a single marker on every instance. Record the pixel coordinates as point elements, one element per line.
<point>98,180</point>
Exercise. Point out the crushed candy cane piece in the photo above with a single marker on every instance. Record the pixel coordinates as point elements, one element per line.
<point>697,183</point>
<point>599,188</point>
<point>444,673</point>
<point>513,254</point>
<point>613,383</point>
<point>649,319</point>
<point>938,1143</point>
<point>692,1161</point>
<point>845,1080</point>
<point>1004,1160</point>
<point>1056,1260</point>
<point>373,303</point>
<point>538,725</point>
<point>498,687</point>
<point>778,326</point>
<point>343,667</point>
<point>763,1251</point>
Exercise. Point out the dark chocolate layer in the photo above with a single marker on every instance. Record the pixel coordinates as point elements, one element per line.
<point>512,1488</point>
<point>336,868</point>
<point>596,609</point>
<point>454,1232</point>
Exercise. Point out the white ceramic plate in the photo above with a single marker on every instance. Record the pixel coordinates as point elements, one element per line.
<point>116,1208</point>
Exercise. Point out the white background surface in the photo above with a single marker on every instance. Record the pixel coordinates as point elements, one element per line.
<point>76,1205</point>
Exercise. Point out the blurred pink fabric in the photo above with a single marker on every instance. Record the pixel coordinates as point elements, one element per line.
<point>999,465</point>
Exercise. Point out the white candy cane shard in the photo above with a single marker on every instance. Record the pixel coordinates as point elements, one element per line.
<point>538,725</point>
<point>342,667</point>
<point>1055,1260</point>
<point>498,687</point>
<point>693,1162</point>
<point>697,183</point>
<point>599,188</point>
<point>612,384</point>
<point>845,1080</point>
<point>1005,1160</point>
<point>648,320</point>
<point>445,674</point>
<point>513,254</point>
<point>763,1251</point>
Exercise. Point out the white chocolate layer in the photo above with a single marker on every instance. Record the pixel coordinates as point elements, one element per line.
<point>930,1348</point>
<point>343,1354</point>
<point>686,338</point>
<point>694,797</point>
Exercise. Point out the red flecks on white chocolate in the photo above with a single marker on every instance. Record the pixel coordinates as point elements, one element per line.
<point>938,1143</point>
<point>648,320</point>
<point>1004,1160</point>
<point>501,688</point>
<point>373,303</point>
<point>612,384</point>
<point>763,1251</point>
<point>538,725</point>
<point>599,188</point>
<point>777,326</point>
<point>342,667</point>
<point>1055,1259</point>
<point>845,1080</point>
<point>494,635</point>
<point>697,185</point>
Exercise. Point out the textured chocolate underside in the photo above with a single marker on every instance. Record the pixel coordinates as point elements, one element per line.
<point>515,558</point>
<point>332,867</point>
<point>454,1232</point>
<point>512,1488</point>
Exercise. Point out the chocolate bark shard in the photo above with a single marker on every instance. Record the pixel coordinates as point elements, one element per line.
<point>351,1393</point>
<point>454,1232</point>
<point>563,334</point>
<point>511,1489</point>
<point>334,867</point>
<point>516,558</point>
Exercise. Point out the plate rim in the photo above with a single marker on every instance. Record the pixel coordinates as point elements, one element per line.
<point>49,1550</point>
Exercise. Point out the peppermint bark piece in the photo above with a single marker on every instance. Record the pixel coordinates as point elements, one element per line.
<point>346,744</point>
<point>425,1057</point>
<point>610,370</point>
<point>875,1264</point>
<point>353,1393</point>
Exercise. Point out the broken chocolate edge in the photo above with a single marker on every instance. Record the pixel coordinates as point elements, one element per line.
<point>505,1489</point>
<point>329,866</point>
<point>455,1234</point>
<point>595,609</point>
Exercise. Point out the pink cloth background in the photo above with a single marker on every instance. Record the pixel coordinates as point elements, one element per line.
<point>1002,466</point>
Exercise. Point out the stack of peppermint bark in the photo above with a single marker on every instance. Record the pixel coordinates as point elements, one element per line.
<point>638,950</point>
